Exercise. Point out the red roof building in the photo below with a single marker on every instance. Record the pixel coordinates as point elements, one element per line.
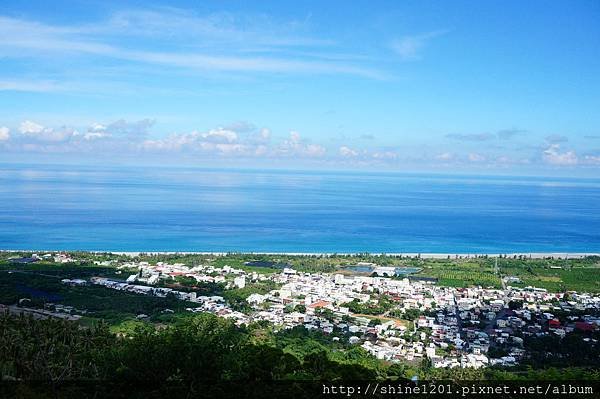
<point>319,304</point>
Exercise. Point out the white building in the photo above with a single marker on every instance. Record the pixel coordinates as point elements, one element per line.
<point>239,282</point>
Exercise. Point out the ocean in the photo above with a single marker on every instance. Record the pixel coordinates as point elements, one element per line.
<point>48,207</point>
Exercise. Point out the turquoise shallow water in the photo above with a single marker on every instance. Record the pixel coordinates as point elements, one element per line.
<point>177,209</point>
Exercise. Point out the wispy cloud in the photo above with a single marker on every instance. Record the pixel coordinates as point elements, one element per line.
<point>556,138</point>
<point>409,48</point>
<point>196,50</point>
<point>507,134</point>
<point>30,86</point>
<point>256,30</point>
<point>471,137</point>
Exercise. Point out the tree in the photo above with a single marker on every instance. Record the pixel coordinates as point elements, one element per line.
<point>411,314</point>
<point>514,305</point>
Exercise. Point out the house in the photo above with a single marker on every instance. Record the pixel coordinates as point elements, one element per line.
<point>153,279</point>
<point>239,282</point>
<point>353,340</point>
<point>496,305</point>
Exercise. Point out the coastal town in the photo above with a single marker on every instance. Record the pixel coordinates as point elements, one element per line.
<point>394,318</point>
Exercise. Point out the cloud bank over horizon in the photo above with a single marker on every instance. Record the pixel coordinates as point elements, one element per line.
<point>242,140</point>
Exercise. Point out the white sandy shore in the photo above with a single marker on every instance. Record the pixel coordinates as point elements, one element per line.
<point>532,255</point>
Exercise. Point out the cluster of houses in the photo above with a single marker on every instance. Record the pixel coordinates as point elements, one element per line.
<point>57,257</point>
<point>152,274</point>
<point>145,289</point>
<point>454,327</point>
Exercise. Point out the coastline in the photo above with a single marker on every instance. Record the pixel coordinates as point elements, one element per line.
<point>530,255</point>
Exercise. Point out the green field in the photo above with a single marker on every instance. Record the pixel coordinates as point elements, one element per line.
<point>573,275</point>
<point>456,273</point>
<point>557,275</point>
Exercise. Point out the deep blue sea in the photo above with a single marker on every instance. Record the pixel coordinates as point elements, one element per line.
<point>188,209</point>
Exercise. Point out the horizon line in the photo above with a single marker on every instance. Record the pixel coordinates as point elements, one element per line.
<point>300,169</point>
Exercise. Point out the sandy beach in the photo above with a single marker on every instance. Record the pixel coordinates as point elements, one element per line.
<point>532,255</point>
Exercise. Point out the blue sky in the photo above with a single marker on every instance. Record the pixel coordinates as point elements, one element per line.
<point>490,86</point>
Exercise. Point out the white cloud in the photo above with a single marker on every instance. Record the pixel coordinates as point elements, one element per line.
<point>259,137</point>
<point>216,142</point>
<point>36,132</point>
<point>294,146</point>
<point>4,134</point>
<point>95,135</point>
<point>314,150</point>
<point>409,47</point>
<point>29,127</point>
<point>97,127</point>
<point>134,137</point>
<point>220,135</point>
<point>96,131</point>
<point>126,130</point>
<point>553,156</point>
<point>261,150</point>
<point>230,149</point>
<point>592,159</point>
<point>120,135</point>
<point>264,134</point>
<point>347,152</point>
<point>385,155</point>
<point>221,142</point>
<point>294,137</point>
<point>475,157</point>
<point>445,156</point>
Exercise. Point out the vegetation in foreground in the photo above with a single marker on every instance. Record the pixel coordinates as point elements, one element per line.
<point>111,343</point>
<point>210,349</point>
